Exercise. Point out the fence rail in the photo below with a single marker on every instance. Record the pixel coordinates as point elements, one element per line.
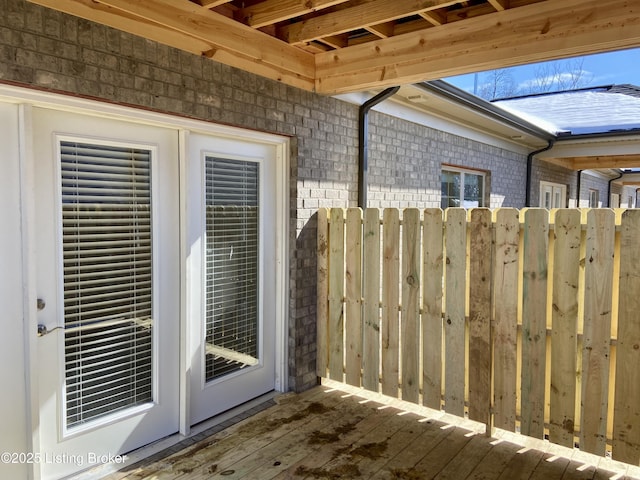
<point>524,320</point>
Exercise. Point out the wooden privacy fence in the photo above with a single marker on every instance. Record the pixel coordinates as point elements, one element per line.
<point>525,320</point>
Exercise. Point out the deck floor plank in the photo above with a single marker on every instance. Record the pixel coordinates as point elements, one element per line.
<point>347,433</point>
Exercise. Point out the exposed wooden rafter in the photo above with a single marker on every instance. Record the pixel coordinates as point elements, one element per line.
<point>371,13</point>
<point>543,31</point>
<point>336,46</point>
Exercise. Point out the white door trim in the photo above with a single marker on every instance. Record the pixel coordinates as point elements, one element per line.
<point>28,98</point>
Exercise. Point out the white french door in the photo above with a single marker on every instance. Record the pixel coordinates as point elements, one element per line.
<point>108,282</point>
<point>232,272</point>
<point>552,195</point>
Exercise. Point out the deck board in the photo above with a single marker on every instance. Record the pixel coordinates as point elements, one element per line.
<point>337,431</point>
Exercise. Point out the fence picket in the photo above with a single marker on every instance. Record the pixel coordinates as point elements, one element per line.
<point>322,324</point>
<point>534,331</point>
<point>596,339</point>
<point>390,301</point>
<point>564,333</point>
<point>626,434</point>
<point>371,278</point>
<point>432,261</point>
<point>480,239</point>
<point>410,315</point>
<point>505,332</point>
<point>336,294</point>
<point>353,297</point>
<point>455,244</point>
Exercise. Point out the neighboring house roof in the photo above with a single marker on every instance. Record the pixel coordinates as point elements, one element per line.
<point>596,110</point>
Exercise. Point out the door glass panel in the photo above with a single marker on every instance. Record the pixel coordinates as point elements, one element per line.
<point>232,256</point>
<point>107,255</point>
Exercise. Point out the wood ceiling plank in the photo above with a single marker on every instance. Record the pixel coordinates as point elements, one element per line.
<point>274,11</point>
<point>359,16</point>
<point>208,36</point>
<point>546,30</point>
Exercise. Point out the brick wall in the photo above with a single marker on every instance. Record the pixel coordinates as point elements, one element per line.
<point>548,172</point>
<point>405,160</point>
<point>51,50</point>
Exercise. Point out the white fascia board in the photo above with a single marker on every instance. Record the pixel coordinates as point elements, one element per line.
<point>418,115</point>
<point>594,147</point>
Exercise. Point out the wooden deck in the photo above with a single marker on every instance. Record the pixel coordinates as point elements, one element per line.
<point>334,432</point>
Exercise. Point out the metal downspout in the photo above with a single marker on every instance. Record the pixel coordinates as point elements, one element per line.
<point>579,186</point>
<point>527,199</point>
<point>363,134</point>
<point>609,188</point>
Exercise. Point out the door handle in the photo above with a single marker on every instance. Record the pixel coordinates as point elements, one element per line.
<point>43,330</point>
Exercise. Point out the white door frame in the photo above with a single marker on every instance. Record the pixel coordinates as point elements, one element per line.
<point>28,98</point>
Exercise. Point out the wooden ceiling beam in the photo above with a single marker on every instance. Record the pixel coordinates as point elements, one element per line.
<point>210,3</point>
<point>600,161</point>
<point>499,5</point>
<point>547,30</point>
<point>274,11</point>
<point>363,15</point>
<point>382,30</point>
<point>435,18</point>
<point>173,22</point>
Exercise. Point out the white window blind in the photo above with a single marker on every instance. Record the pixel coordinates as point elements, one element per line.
<point>107,255</point>
<point>232,240</point>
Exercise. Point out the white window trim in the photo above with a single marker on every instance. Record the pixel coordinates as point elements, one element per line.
<point>463,171</point>
<point>594,198</point>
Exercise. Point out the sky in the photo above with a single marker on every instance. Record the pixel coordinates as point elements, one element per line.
<point>597,70</point>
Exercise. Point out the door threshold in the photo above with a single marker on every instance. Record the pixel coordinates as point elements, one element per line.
<point>176,442</point>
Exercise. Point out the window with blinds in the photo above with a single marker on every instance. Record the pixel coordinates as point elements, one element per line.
<point>107,255</point>
<point>231,270</point>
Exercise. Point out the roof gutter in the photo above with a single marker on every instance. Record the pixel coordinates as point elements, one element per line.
<point>446,90</point>
<point>363,147</point>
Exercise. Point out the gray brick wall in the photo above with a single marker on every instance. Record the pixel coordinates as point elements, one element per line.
<point>50,50</point>
<point>548,172</point>
<point>405,161</point>
<point>590,182</point>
